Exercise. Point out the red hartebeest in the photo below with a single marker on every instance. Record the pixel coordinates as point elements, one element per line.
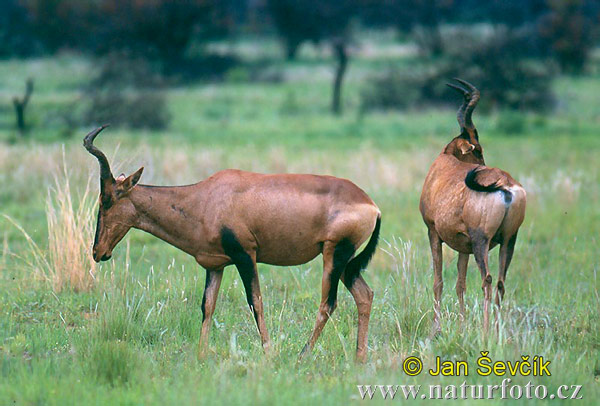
<point>471,208</point>
<point>241,218</point>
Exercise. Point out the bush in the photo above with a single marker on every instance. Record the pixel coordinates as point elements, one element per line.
<point>569,32</point>
<point>496,62</point>
<point>501,64</point>
<point>398,89</point>
<point>16,39</point>
<point>511,122</point>
<point>161,29</point>
<point>127,92</point>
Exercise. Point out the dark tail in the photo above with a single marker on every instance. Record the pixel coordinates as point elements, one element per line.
<point>360,262</point>
<point>472,182</point>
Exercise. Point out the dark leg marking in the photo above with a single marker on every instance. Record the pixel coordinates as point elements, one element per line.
<point>241,259</point>
<point>506,252</point>
<point>247,269</point>
<point>360,261</point>
<point>341,255</point>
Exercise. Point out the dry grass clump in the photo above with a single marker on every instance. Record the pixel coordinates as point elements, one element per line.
<point>67,263</point>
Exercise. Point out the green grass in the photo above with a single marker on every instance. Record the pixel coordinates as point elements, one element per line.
<point>132,339</point>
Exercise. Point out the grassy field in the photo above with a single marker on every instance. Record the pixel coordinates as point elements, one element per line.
<point>132,337</point>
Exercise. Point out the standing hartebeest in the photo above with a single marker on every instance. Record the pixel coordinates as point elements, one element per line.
<point>470,207</point>
<point>241,218</point>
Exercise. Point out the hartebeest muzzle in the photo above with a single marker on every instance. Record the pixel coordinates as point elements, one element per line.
<point>103,257</point>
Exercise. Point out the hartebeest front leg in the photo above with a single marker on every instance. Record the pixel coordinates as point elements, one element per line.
<point>249,276</point>
<point>245,262</point>
<point>461,281</point>
<point>335,259</point>
<point>481,247</point>
<point>209,300</point>
<point>438,283</point>
<point>363,297</point>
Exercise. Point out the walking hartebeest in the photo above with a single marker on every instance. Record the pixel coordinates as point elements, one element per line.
<point>470,207</point>
<point>241,218</point>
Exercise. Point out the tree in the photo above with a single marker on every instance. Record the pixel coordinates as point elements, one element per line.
<point>339,48</point>
<point>569,32</point>
<point>15,32</point>
<point>422,18</point>
<point>298,21</point>
<point>160,29</point>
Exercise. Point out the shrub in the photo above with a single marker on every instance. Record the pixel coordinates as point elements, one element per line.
<point>161,29</point>
<point>496,62</point>
<point>127,92</point>
<point>142,109</point>
<point>16,39</point>
<point>511,122</point>
<point>398,89</point>
<point>569,31</point>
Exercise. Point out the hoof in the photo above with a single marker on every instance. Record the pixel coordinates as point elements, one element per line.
<point>303,354</point>
<point>361,358</point>
<point>436,331</point>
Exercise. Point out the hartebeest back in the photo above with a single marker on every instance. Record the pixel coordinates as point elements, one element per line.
<point>470,207</point>
<point>241,218</point>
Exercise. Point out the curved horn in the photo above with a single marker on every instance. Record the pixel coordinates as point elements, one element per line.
<point>88,143</point>
<point>472,103</point>
<point>471,95</point>
<point>460,115</point>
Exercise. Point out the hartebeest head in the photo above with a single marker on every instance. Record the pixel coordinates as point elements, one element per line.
<point>116,213</point>
<point>466,146</point>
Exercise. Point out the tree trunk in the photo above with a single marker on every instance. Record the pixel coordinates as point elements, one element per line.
<point>20,112</point>
<point>20,105</point>
<point>436,43</point>
<point>342,58</point>
<point>291,49</point>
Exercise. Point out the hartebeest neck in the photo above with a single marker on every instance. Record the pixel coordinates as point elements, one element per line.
<point>160,212</point>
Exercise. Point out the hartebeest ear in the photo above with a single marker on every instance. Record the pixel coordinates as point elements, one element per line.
<point>124,184</point>
<point>464,146</point>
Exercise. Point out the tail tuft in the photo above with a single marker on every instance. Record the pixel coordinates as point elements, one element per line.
<point>477,180</point>
<point>360,262</point>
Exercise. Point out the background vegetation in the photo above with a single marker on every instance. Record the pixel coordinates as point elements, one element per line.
<point>125,331</point>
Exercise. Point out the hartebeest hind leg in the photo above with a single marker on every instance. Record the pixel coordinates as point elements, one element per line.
<point>463,262</point>
<point>211,292</point>
<point>505,256</point>
<point>363,297</point>
<point>335,259</point>
<point>481,247</point>
<point>438,283</point>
